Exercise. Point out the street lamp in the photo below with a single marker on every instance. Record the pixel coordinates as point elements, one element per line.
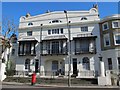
<point>40,47</point>
<point>69,49</point>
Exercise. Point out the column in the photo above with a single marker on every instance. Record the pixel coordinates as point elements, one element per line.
<point>102,69</point>
<point>42,73</point>
<point>66,66</point>
<point>32,48</point>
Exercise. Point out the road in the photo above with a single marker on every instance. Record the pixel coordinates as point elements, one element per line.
<point>13,87</point>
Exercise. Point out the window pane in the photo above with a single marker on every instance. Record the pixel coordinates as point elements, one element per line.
<point>117,37</point>
<point>110,63</point>
<point>84,29</point>
<point>54,65</point>
<point>53,31</point>
<point>30,23</point>
<point>105,26</point>
<point>61,30</point>
<point>29,33</point>
<point>106,40</point>
<point>57,31</point>
<point>115,24</point>
<point>119,63</point>
<point>49,31</point>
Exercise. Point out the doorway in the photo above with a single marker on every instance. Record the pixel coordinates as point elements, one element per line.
<point>36,65</point>
<point>75,72</point>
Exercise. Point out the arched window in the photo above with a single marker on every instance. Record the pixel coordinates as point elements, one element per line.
<point>27,64</point>
<point>86,63</point>
<point>29,24</point>
<point>83,18</point>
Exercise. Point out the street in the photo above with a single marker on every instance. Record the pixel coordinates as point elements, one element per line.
<point>13,87</point>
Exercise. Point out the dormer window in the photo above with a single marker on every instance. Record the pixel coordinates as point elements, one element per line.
<point>55,21</point>
<point>83,18</point>
<point>29,24</point>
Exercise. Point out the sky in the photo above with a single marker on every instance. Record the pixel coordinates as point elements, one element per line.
<point>14,10</point>
<point>0,11</point>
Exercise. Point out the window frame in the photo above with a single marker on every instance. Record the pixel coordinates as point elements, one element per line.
<point>28,33</point>
<point>84,27</point>
<point>84,18</point>
<point>27,64</point>
<point>118,63</point>
<point>117,22</point>
<point>55,65</point>
<point>104,38</point>
<point>49,32</point>
<point>110,63</point>
<point>103,26</point>
<point>55,31</point>
<point>30,24</point>
<point>116,39</point>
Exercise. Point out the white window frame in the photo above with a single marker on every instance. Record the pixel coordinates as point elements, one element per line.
<point>84,29</point>
<point>115,38</point>
<point>29,33</point>
<point>104,24</point>
<point>108,36</point>
<point>56,31</point>
<point>118,24</point>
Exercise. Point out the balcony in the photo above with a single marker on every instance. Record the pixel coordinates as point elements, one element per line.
<point>85,50</point>
<point>54,52</point>
<point>27,53</point>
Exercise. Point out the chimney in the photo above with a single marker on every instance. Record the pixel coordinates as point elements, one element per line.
<point>28,15</point>
<point>48,11</point>
<point>95,6</point>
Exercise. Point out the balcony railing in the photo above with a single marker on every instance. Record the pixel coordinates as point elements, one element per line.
<point>85,51</point>
<point>54,52</point>
<point>25,53</point>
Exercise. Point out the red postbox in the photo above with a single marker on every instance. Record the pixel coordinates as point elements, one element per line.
<point>33,81</point>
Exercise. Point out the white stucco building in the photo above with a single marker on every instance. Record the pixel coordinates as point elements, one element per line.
<point>43,43</point>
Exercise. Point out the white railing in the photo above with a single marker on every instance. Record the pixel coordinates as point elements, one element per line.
<point>87,74</point>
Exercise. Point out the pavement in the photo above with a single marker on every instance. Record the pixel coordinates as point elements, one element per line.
<point>51,85</point>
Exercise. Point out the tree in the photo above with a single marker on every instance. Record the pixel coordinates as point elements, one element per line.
<point>9,29</point>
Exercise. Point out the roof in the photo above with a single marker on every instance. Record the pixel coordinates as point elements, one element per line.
<point>55,37</point>
<point>88,35</point>
<point>114,16</point>
<point>27,39</point>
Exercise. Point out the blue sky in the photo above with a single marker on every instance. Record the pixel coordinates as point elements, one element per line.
<point>14,10</point>
<point>0,11</point>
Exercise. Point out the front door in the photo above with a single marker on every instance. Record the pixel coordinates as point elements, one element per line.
<point>36,65</point>
<point>75,66</point>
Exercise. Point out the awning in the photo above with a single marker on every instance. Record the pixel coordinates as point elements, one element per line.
<point>87,35</point>
<point>55,37</point>
<point>27,39</point>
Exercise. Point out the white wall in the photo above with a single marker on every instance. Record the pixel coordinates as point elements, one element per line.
<point>75,28</point>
